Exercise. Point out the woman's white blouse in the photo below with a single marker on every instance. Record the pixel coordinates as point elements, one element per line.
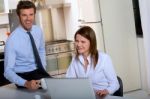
<point>102,77</point>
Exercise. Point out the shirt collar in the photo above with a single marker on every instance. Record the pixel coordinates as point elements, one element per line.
<point>23,30</point>
<point>81,59</point>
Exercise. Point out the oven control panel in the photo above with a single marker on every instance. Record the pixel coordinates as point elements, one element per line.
<point>59,47</point>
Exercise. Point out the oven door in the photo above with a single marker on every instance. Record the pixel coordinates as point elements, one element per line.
<point>52,67</point>
<point>64,60</point>
<point>57,64</point>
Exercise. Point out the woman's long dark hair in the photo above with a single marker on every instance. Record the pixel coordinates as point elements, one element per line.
<point>89,34</point>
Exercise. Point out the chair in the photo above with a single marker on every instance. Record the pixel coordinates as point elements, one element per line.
<point>119,92</point>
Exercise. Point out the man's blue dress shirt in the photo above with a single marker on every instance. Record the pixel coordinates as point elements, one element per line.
<point>19,55</point>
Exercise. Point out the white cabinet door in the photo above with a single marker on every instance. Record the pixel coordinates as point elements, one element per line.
<point>12,4</point>
<point>89,11</point>
<point>120,40</point>
<point>4,19</point>
<point>2,6</point>
<point>67,1</point>
<point>54,3</point>
<point>58,3</point>
<point>99,36</point>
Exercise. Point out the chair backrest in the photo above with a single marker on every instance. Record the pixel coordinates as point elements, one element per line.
<point>119,92</point>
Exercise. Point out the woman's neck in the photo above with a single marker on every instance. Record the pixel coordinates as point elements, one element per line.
<point>85,55</point>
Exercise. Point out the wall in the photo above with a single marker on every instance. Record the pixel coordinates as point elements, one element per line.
<point>120,40</point>
<point>142,63</point>
<point>145,20</point>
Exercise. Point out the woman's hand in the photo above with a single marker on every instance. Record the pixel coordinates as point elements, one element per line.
<point>102,93</point>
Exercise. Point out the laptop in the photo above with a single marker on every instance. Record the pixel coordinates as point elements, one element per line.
<point>69,88</point>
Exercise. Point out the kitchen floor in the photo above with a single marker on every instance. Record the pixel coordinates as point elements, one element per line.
<point>138,94</point>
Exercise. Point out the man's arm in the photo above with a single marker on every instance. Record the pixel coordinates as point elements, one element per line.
<point>9,63</point>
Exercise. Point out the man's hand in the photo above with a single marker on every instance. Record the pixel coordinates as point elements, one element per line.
<point>33,84</point>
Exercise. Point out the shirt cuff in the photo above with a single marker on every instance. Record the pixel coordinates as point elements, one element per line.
<point>22,83</point>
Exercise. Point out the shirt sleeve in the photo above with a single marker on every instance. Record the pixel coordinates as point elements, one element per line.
<point>9,63</point>
<point>110,75</point>
<point>71,69</point>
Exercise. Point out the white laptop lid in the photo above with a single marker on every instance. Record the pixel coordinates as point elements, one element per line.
<point>69,88</point>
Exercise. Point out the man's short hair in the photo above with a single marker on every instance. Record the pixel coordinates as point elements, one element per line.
<point>25,5</point>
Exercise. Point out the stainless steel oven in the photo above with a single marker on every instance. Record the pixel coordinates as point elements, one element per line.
<point>57,64</point>
<point>59,55</point>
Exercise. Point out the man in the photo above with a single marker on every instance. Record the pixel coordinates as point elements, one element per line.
<point>21,66</point>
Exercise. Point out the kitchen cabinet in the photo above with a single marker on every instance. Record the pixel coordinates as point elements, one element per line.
<point>58,3</point>
<point>54,3</point>
<point>4,6</point>
<point>89,15</point>
<point>4,18</point>
<point>12,4</point>
<point>67,1</point>
<point>89,11</point>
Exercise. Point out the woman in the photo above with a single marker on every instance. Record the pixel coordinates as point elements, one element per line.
<point>91,63</point>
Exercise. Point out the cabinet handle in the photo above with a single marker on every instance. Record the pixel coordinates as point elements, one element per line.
<point>80,26</point>
<point>80,20</point>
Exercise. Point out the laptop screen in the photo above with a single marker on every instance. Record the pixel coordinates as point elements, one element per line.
<point>69,88</point>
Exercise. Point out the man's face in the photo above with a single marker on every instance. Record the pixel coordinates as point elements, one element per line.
<point>27,17</point>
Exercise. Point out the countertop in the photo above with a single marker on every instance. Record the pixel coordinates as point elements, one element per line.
<point>11,92</point>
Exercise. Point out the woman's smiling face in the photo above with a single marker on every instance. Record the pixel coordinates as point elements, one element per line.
<point>82,45</point>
